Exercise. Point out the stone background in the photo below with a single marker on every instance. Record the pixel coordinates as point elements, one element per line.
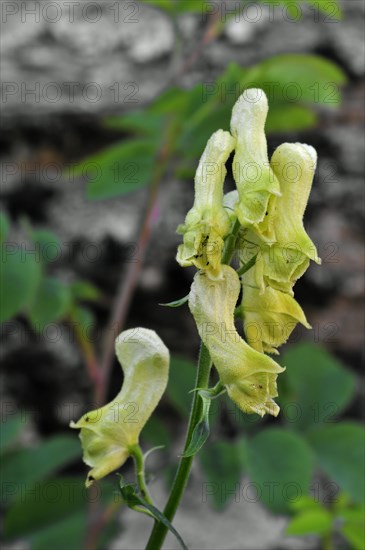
<point>98,60</point>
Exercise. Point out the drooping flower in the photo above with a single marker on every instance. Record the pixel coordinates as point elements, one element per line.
<point>248,375</point>
<point>108,434</point>
<point>207,223</point>
<point>256,182</point>
<point>268,317</point>
<point>289,256</point>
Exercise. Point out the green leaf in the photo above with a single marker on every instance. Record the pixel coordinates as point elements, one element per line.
<point>82,290</point>
<point>181,382</point>
<point>140,122</point>
<point>222,463</point>
<point>156,432</point>
<point>134,500</point>
<point>340,453</point>
<point>287,118</point>
<point>51,303</point>
<point>10,429</point>
<point>319,387</point>
<point>243,269</point>
<point>4,226</point>
<point>330,8</point>
<point>311,522</point>
<point>297,78</point>
<point>201,431</point>
<point>48,243</point>
<point>280,464</point>
<point>116,171</point>
<point>177,303</point>
<point>355,534</point>
<point>27,466</point>
<point>53,513</point>
<point>20,274</point>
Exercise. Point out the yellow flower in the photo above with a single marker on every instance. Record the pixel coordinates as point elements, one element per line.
<point>256,183</point>
<point>269,317</point>
<point>288,258</point>
<point>207,223</point>
<point>249,376</point>
<point>108,434</point>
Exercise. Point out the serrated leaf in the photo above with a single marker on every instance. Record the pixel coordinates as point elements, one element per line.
<point>20,275</point>
<point>280,463</point>
<point>51,303</point>
<point>340,452</point>
<point>311,522</point>
<point>318,387</point>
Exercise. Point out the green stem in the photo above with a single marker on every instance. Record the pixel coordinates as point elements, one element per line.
<point>202,379</point>
<point>159,530</point>
<point>137,454</point>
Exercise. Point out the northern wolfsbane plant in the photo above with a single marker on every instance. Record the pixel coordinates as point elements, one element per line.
<point>261,222</point>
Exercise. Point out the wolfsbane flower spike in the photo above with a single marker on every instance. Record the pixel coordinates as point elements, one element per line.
<point>269,317</point>
<point>108,434</point>
<point>207,223</point>
<point>255,180</point>
<point>248,375</point>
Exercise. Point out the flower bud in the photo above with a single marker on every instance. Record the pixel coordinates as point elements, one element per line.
<point>248,375</point>
<point>256,183</point>
<point>207,223</point>
<point>108,434</point>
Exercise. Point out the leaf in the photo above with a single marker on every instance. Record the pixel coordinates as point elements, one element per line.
<point>51,303</point>
<point>319,387</point>
<point>10,429</point>
<point>177,303</point>
<point>222,463</point>
<point>83,290</point>
<point>53,513</point>
<point>280,464</point>
<point>22,468</point>
<point>140,122</point>
<point>297,78</point>
<point>340,453</point>
<point>133,499</point>
<point>331,8</point>
<point>247,266</point>
<point>156,432</point>
<point>311,522</point>
<point>4,226</point>
<point>201,431</point>
<point>181,382</point>
<point>287,118</point>
<point>48,243</point>
<point>116,171</point>
<point>20,274</point>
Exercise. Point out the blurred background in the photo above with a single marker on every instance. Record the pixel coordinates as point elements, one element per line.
<point>106,108</point>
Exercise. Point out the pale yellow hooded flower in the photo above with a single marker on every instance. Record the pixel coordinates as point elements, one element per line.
<point>249,376</point>
<point>108,434</point>
<point>256,182</point>
<point>207,223</point>
<point>269,317</point>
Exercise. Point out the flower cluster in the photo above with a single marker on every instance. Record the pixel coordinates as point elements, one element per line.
<point>273,248</point>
